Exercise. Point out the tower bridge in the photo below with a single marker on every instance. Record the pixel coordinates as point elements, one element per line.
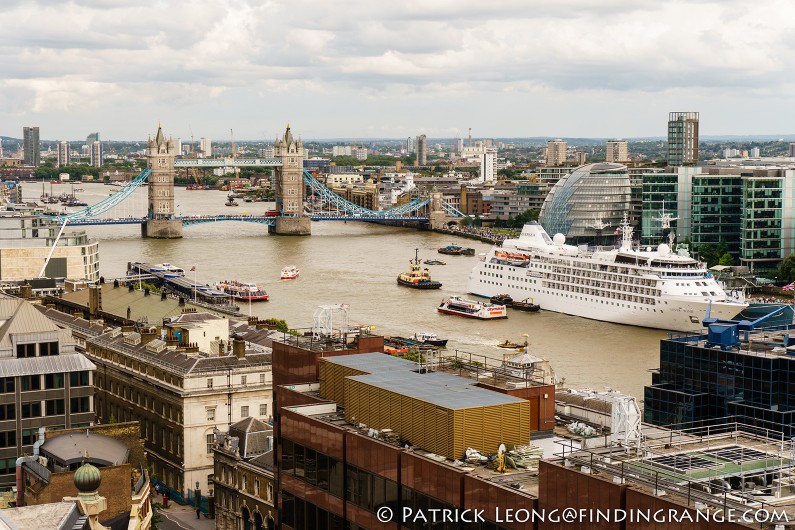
<point>291,183</point>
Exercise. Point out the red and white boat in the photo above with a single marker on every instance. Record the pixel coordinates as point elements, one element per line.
<point>290,272</point>
<point>455,305</point>
<point>242,290</point>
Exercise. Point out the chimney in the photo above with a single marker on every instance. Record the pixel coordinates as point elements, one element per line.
<point>239,348</point>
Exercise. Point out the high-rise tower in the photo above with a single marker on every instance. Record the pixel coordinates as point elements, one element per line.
<point>682,138</point>
<point>422,150</point>
<point>160,222</point>
<point>30,146</point>
<point>63,154</point>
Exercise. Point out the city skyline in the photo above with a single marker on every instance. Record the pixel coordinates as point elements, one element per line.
<point>510,69</point>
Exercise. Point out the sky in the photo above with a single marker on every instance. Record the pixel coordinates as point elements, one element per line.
<point>392,69</point>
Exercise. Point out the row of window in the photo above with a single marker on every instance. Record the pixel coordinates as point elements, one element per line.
<point>29,383</point>
<point>43,349</point>
<point>243,380</point>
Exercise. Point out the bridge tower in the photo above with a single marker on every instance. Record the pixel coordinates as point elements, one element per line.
<point>289,184</point>
<point>160,221</point>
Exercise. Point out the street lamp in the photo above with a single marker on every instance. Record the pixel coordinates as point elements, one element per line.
<point>198,496</point>
<point>211,497</point>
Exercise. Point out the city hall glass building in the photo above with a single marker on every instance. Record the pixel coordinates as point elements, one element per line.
<point>590,196</point>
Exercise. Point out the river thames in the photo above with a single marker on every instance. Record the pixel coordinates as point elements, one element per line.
<point>356,264</point>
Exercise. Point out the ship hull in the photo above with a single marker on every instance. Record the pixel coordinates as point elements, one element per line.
<point>419,285</point>
<point>672,313</point>
<point>468,315</point>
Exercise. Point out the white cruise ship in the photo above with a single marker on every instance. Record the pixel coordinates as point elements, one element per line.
<point>649,288</point>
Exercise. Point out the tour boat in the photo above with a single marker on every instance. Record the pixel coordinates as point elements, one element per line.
<point>242,290</point>
<point>290,272</point>
<point>455,305</point>
<point>417,277</point>
<point>654,288</point>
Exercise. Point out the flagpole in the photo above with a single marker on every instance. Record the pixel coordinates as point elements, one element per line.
<point>194,283</point>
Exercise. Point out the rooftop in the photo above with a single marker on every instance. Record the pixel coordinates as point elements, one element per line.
<point>178,361</point>
<point>761,342</point>
<point>116,301</point>
<point>405,377</point>
<point>99,449</point>
<point>52,516</point>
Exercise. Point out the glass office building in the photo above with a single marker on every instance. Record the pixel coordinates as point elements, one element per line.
<point>590,196</point>
<point>699,384</point>
<point>717,211</point>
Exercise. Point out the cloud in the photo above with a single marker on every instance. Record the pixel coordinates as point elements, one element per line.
<point>58,55</point>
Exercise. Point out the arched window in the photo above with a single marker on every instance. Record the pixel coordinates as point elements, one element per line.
<point>244,513</point>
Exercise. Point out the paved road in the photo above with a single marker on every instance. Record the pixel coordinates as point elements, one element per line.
<point>177,517</point>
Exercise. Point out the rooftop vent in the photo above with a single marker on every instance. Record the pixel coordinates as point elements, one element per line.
<point>115,332</point>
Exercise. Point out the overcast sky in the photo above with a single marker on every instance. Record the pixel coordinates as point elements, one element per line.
<point>377,68</point>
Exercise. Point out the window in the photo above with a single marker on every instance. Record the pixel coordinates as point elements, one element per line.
<point>80,404</point>
<point>30,382</point>
<point>29,436</point>
<point>262,379</point>
<point>244,411</point>
<point>8,439</point>
<point>53,407</point>
<point>269,492</point>
<point>263,409</point>
<point>210,383</point>
<point>53,381</point>
<point>210,443</point>
<point>256,487</point>
<point>8,412</point>
<point>26,350</point>
<point>79,378</point>
<point>211,414</point>
<point>31,410</point>
<point>243,482</point>
<point>6,385</point>
<point>48,348</point>
<point>243,379</point>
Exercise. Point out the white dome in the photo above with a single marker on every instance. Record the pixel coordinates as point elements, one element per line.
<point>663,249</point>
<point>559,239</point>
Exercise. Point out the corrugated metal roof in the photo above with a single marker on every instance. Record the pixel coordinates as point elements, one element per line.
<point>401,376</point>
<point>73,362</point>
<point>437,388</point>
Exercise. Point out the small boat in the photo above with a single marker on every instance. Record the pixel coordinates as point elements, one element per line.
<point>393,350</point>
<point>431,339</point>
<point>455,305</point>
<point>79,189</point>
<point>451,250</point>
<point>512,345</point>
<point>243,290</point>
<point>290,272</point>
<point>504,299</point>
<point>467,251</point>
<point>525,305</point>
<point>417,277</point>
<point>434,262</point>
<point>231,202</point>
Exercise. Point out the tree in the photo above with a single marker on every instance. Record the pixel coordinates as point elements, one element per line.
<point>726,260</point>
<point>786,271</point>
<point>709,254</point>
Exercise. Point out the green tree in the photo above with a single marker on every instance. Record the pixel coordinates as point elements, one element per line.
<point>727,260</point>
<point>708,253</point>
<point>786,271</point>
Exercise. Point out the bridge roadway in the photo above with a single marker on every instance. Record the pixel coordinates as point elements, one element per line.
<point>259,219</point>
<point>226,162</point>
